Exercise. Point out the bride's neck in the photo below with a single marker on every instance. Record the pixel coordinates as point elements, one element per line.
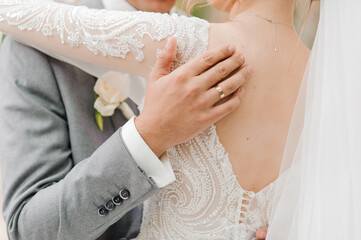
<point>280,10</point>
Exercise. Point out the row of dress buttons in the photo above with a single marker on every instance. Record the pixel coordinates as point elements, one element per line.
<point>117,200</point>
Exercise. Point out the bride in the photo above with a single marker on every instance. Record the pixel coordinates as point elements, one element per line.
<point>226,176</point>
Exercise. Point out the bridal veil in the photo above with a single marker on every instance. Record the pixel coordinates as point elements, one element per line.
<point>321,198</point>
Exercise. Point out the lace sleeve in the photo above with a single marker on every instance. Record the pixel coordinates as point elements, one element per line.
<point>125,41</point>
<point>71,2</point>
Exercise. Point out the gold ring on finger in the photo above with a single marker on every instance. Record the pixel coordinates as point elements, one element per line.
<point>220,91</point>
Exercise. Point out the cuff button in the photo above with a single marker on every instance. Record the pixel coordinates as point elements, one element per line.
<point>109,205</point>
<point>102,211</point>
<point>124,194</point>
<point>152,180</point>
<point>117,200</point>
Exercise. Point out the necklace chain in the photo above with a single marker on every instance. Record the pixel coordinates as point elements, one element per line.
<point>273,22</point>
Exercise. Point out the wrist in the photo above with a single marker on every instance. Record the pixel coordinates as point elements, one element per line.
<point>151,136</point>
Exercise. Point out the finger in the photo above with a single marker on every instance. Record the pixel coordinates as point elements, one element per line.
<point>206,60</point>
<point>222,70</point>
<point>165,59</point>
<point>228,86</point>
<point>262,233</point>
<point>220,111</point>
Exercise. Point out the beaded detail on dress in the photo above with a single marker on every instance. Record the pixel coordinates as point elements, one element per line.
<point>111,33</point>
<point>206,202</point>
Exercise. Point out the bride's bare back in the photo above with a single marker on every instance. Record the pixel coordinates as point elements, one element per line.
<point>255,134</point>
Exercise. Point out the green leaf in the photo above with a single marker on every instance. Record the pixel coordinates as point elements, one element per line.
<point>100,121</point>
<point>3,37</point>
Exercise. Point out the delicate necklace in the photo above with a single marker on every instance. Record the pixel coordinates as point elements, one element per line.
<point>271,20</point>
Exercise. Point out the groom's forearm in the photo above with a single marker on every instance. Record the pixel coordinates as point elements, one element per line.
<point>69,209</point>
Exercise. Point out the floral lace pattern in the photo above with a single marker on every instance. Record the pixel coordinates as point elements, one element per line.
<point>71,2</point>
<point>206,202</point>
<point>110,33</point>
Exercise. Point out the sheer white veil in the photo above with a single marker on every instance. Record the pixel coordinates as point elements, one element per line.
<point>321,196</point>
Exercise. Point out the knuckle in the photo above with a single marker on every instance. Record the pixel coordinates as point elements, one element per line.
<point>239,58</point>
<point>180,78</point>
<point>222,72</point>
<point>192,91</point>
<point>230,88</point>
<point>225,51</point>
<point>208,59</point>
<point>235,63</point>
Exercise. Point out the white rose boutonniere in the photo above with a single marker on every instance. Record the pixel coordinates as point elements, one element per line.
<point>112,90</point>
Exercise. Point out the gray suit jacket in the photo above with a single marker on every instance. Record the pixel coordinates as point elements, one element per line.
<point>58,168</point>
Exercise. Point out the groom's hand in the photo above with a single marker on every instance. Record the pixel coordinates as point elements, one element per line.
<point>180,105</point>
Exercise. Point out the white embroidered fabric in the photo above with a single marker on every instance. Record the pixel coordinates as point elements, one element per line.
<point>72,2</point>
<point>206,202</point>
<point>105,32</point>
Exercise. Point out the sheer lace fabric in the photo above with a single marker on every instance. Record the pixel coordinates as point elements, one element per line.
<point>72,2</point>
<point>206,202</point>
<point>110,33</point>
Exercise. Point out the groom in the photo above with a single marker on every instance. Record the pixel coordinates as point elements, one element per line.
<point>63,178</point>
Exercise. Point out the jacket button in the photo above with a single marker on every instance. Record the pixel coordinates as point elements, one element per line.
<point>102,211</point>
<point>109,205</point>
<point>117,200</point>
<point>152,180</point>
<point>124,194</point>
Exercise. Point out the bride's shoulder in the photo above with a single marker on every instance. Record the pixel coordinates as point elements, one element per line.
<point>219,33</point>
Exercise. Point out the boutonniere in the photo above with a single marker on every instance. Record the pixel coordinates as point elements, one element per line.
<point>111,92</point>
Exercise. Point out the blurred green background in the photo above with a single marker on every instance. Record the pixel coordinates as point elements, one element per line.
<point>303,16</point>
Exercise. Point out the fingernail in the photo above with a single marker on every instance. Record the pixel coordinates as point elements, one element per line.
<point>262,235</point>
<point>242,91</point>
<point>168,45</point>
<point>232,48</point>
<point>250,69</point>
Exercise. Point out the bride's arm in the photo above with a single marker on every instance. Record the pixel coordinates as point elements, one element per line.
<point>125,41</point>
<point>73,2</point>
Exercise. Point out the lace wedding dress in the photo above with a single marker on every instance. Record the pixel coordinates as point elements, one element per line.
<point>206,202</point>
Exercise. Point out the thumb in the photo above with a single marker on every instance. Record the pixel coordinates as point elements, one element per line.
<point>262,233</point>
<point>165,59</point>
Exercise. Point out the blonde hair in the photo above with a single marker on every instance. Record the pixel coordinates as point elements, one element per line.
<point>190,4</point>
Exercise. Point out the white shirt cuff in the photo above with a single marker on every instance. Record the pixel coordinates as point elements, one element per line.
<point>160,170</point>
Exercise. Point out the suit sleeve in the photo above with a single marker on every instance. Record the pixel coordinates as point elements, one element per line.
<point>46,196</point>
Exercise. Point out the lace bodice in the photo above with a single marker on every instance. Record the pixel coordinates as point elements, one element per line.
<point>206,202</point>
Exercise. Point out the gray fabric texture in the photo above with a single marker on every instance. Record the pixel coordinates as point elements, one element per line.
<point>57,167</point>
